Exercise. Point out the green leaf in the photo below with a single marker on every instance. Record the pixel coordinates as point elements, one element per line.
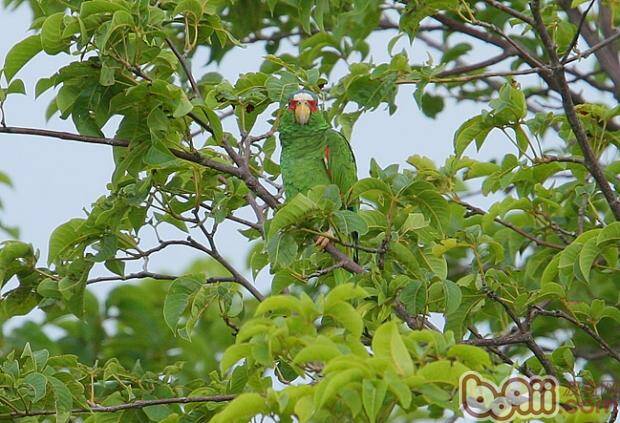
<point>215,123</point>
<point>365,185</point>
<point>51,34</point>
<point>37,382</point>
<point>347,316</point>
<point>452,295</point>
<point>279,302</point>
<point>190,8</point>
<point>510,106</point>
<point>347,221</point>
<point>414,222</point>
<point>159,155</point>
<point>344,292</point>
<point>178,298</point>
<point>182,105</point>
<point>431,105</point>
<point>413,297</point>
<point>317,352</point>
<point>473,129</point>
<point>282,249</point>
<point>5,180</point>
<point>443,371</point>
<point>609,234</point>
<point>372,398</point>
<point>416,11</point>
<point>64,237</point>
<point>16,87</point>
<point>331,386</point>
<point>233,354</point>
<point>242,409</point>
<point>388,343</point>
<point>470,355</point>
<point>399,388</point>
<point>589,252</point>
<point>20,54</point>
<point>95,7</point>
<point>63,400</point>
<point>280,89</point>
<point>294,211</point>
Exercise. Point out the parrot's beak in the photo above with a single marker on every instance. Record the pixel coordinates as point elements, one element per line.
<point>302,113</point>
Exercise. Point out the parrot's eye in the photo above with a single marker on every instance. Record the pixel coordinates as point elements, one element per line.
<point>314,105</point>
<point>292,105</point>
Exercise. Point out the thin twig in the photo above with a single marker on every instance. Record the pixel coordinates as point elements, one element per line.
<point>186,68</point>
<point>573,42</point>
<point>138,275</point>
<point>561,314</point>
<point>325,270</point>
<point>538,241</point>
<point>512,12</point>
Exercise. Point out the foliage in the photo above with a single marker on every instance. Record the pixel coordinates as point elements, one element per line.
<point>333,339</point>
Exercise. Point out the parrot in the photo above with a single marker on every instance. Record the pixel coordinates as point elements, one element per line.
<point>312,152</point>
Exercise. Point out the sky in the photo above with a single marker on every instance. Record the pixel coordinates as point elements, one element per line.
<point>55,180</point>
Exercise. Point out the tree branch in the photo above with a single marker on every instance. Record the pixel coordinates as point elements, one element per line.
<point>573,42</point>
<point>514,338</point>
<point>186,68</point>
<point>538,241</point>
<point>512,12</point>
<point>460,70</point>
<point>607,58</point>
<point>120,407</point>
<point>139,275</point>
<point>559,78</point>
<point>561,314</point>
<point>156,276</point>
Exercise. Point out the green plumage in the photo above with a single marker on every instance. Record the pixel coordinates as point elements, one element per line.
<point>314,154</point>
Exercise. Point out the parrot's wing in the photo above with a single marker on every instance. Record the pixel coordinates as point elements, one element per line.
<point>339,161</point>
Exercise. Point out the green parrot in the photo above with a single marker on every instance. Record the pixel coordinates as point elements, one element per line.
<point>312,152</point>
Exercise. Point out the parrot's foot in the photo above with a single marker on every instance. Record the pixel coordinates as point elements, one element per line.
<point>323,240</point>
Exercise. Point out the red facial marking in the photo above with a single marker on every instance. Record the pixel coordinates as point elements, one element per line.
<point>292,105</point>
<point>313,105</point>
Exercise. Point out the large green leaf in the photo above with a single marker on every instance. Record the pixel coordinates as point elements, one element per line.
<point>63,238</point>
<point>387,343</point>
<point>178,298</point>
<point>20,54</point>
<point>51,34</point>
<point>293,212</point>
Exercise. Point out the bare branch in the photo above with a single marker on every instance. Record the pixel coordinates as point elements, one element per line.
<point>138,275</point>
<point>186,68</point>
<point>514,338</point>
<point>573,42</point>
<point>325,270</point>
<point>512,12</point>
<point>413,322</point>
<point>156,276</point>
<point>460,70</point>
<point>561,314</point>
<point>120,407</point>
<point>559,78</point>
<point>538,241</point>
<point>607,57</point>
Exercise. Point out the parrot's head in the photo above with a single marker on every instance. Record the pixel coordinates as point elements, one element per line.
<point>302,104</point>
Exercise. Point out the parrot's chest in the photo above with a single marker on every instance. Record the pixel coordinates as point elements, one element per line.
<point>302,164</point>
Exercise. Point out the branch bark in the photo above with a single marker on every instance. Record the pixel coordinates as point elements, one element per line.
<point>607,57</point>
<point>128,406</point>
<point>559,79</point>
<point>476,210</point>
